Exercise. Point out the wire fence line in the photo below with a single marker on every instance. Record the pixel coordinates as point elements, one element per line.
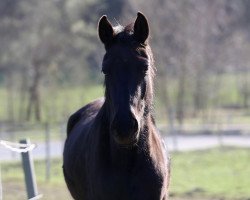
<point>43,135</point>
<point>23,148</point>
<point>50,145</point>
<point>17,147</point>
<point>49,139</point>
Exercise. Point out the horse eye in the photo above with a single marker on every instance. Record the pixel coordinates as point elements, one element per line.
<point>105,70</point>
<point>143,64</point>
<point>105,66</point>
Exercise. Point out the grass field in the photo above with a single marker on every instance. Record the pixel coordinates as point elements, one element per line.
<point>218,174</point>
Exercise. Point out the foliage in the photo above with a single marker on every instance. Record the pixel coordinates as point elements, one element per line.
<point>58,103</point>
<point>56,106</point>
<point>48,44</point>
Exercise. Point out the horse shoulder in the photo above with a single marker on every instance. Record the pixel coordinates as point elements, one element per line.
<point>88,111</point>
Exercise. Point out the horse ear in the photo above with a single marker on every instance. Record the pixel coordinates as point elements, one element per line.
<point>141,28</point>
<point>105,30</point>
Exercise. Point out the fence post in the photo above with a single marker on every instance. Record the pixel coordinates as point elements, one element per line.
<point>62,134</point>
<point>1,130</point>
<point>47,151</point>
<point>172,130</point>
<point>219,134</point>
<point>1,186</point>
<point>28,167</point>
<point>13,138</point>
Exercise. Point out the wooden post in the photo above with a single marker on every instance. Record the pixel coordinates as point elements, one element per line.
<point>28,167</point>
<point>47,151</point>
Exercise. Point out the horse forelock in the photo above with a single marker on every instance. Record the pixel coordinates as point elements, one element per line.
<point>129,29</point>
<point>124,35</point>
<point>118,29</point>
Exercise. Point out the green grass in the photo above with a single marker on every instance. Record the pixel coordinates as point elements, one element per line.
<point>14,185</point>
<point>211,174</point>
<point>13,171</point>
<point>220,173</point>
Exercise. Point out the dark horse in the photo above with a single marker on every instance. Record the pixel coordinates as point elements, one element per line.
<point>113,150</point>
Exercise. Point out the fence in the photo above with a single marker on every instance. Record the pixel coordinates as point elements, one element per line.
<point>24,147</point>
<point>204,136</point>
<point>50,140</point>
<point>1,190</point>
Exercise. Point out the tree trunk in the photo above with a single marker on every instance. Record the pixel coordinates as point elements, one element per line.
<point>10,100</point>
<point>34,95</point>
<point>181,95</point>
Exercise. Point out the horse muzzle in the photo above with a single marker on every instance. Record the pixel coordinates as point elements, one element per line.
<point>125,130</point>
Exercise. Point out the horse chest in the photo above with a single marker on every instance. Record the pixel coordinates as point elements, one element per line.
<point>139,183</point>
